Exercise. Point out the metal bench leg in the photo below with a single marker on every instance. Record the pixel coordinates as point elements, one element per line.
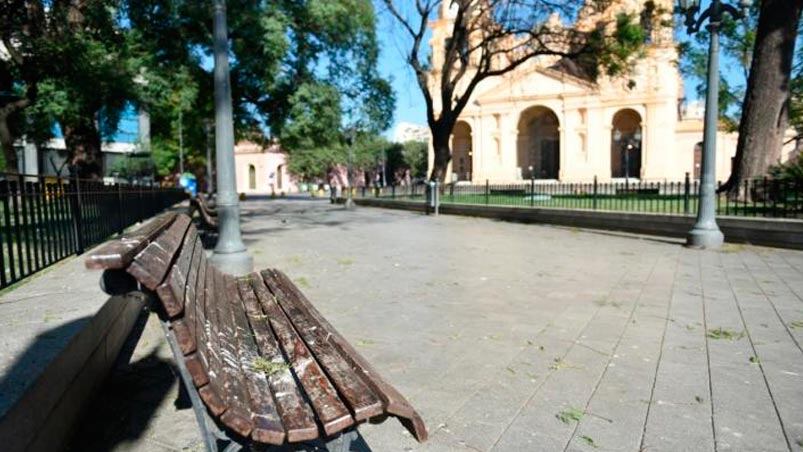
<point>348,441</point>
<point>213,437</point>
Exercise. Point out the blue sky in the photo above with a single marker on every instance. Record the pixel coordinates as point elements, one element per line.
<point>392,64</point>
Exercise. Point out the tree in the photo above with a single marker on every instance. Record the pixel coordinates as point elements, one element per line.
<point>23,60</point>
<point>490,38</point>
<point>65,62</point>
<point>96,59</point>
<point>765,114</point>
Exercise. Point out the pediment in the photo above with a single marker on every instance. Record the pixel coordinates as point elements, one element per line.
<point>532,82</point>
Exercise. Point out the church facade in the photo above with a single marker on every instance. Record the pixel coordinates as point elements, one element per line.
<point>546,120</point>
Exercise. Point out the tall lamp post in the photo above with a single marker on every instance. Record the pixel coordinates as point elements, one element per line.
<point>210,178</point>
<point>230,253</point>
<point>349,169</point>
<point>706,233</point>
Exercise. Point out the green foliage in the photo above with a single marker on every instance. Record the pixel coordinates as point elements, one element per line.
<point>410,155</point>
<point>291,61</point>
<point>627,43</point>
<point>313,119</point>
<point>415,155</point>
<point>613,52</point>
<point>313,163</point>
<point>790,171</point>
<point>165,155</point>
<point>571,415</point>
<point>133,167</point>
<point>724,333</point>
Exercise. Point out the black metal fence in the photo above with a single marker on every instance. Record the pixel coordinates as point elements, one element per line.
<point>46,219</point>
<point>757,198</point>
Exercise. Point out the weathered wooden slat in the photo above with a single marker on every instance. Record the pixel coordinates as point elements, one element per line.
<point>171,291</point>
<point>238,415</point>
<point>151,265</point>
<point>267,423</point>
<point>118,254</point>
<point>362,400</point>
<point>195,363</point>
<point>331,411</point>
<point>394,402</point>
<point>212,393</point>
<point>297,416</point>
<point>186,324</point>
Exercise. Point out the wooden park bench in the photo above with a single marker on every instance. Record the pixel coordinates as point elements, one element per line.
<point>269,369</point>
<point>208,215</point>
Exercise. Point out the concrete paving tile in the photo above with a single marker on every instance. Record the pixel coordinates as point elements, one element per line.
<point>454,312</point>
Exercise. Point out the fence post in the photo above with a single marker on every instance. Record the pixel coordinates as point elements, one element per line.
<point>686,193</point>
<point>487,192</point>
<point>121,222</point>
<point>594,196</point>
<point>532,190</point>
<point>77,221</point>
<point>393,191</point>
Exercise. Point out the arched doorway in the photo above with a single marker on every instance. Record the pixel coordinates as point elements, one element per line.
<point>462,154</point>
<point>626,144</point>
<point>279,177</point>
<point>538,153</point>
<point>252,177</point>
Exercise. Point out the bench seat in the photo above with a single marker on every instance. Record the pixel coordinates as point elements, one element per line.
<point>266,363</point>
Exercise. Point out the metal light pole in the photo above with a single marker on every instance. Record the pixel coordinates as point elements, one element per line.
<point>706,233</point>
<point>210,177</point>
<point>349,201</point>
<point>180,143</point>
<point>230,253</point>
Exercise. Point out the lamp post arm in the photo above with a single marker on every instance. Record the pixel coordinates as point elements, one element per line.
<point>714,14</point>
<point>693,25</point>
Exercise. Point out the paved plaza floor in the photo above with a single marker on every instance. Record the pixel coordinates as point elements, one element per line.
<point>515,337</point>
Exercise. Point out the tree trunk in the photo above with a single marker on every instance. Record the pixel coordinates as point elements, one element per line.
<point>765,110</point>
<point>7,143</point>
<point>83,147</point>
<point>441,135</point>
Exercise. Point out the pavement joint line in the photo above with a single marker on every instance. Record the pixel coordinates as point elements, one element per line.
<point>755,353</point>
<point>769,299</point>
<point>783,280</point>
<point>549,375</point>
<point>789,263</point>
<point>707,348</point>
<point>613,352</point>
<point>480,383</point>
<point>660,349</point>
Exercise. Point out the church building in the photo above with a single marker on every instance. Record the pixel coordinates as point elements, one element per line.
<point>549,121</point>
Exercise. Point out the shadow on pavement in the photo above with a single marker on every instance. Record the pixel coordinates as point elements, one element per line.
<point>126,403</point>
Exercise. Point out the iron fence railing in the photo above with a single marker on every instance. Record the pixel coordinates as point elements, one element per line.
<point>46,219</point>
<point>757,197</point>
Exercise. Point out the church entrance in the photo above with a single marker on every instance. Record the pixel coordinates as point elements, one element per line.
<point>462,154</point>
<point>626,145</point>
<point>538,155</point>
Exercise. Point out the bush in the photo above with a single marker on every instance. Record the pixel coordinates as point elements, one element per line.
<point>791,171</point>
